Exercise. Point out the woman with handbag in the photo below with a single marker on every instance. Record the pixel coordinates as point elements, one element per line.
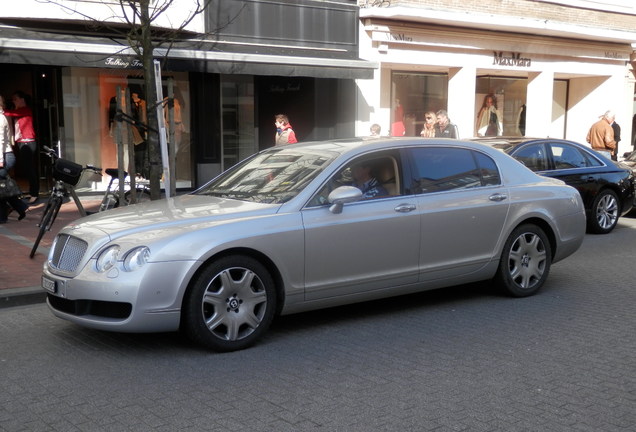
<point>9,190</point>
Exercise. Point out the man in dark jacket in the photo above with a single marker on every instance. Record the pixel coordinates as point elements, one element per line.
<point>445,129</point>
<point>617,138</point>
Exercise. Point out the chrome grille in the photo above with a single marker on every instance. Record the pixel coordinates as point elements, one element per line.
<point>68,251</point>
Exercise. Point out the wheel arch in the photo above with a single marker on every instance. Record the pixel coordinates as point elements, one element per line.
<point>252,253</point>
<point>547,229</point>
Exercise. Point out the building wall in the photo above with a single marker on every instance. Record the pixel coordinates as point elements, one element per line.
<point>574,74</point>
<point>101,11</point>
<point>596,13</point>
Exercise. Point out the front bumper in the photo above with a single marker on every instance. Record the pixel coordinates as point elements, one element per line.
<point>147,300</point>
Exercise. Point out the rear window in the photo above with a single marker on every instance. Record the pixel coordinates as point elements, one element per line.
<point>439,169</point>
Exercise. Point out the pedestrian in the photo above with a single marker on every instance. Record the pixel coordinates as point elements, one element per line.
<point>7,161</point>
<point>430,121</point>
<point>489,119</point>
<point>24,137</point>
<point>601,135</point>
<point>397,127</point>
<point>617,137</point>
<point>375,130</point>
<point>284,132</point>
<point>445,128</point>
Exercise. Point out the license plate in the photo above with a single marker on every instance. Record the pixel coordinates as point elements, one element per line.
<point>49,285</point>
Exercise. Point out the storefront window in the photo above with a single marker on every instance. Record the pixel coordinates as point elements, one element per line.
<point>89,135</point>
<point>238,118</point>
<point>414,94</point>
<point>509,95</point>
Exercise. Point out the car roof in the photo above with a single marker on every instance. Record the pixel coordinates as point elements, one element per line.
<point>350,146</point>
<point>512,170</point>
<point>508,142</point>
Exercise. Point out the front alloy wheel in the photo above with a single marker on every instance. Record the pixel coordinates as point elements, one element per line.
<point>525,261</point>
<point>230,304</point>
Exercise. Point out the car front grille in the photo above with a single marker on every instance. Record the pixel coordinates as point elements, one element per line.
<point>67,253</point>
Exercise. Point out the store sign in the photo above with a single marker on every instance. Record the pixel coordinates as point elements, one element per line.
<point>514,59</point>
<point>122,63</point>
<point>400,37</point>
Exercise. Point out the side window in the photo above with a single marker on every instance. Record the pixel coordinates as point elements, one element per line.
<point>439,169</point>
<point>567,156</point>
<point>533,156</point>
<point>376,175</point>
<point>488,169</point>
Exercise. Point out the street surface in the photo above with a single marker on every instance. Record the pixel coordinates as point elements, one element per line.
<point>460,359</point>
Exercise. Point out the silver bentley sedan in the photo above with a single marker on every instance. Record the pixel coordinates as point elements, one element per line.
<point>310,226</point>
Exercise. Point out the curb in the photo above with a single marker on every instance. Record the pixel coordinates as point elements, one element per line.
<point>21,297</point>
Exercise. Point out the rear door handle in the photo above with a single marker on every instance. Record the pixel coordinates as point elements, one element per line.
<point>405,208</point>
<point>498,197</point>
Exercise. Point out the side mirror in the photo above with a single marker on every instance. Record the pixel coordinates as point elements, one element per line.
<point>342,195</point>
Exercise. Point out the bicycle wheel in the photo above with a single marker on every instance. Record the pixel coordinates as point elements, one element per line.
<point>110,201</point>
<point>48,217</point>
<point>143,195</point>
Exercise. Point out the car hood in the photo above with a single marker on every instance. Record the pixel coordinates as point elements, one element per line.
<point>167,215</point>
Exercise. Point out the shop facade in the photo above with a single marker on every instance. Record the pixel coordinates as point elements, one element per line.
<point>227,89</point>
<point>554,85</point>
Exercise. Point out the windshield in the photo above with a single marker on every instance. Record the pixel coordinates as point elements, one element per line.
<point>272,177</point>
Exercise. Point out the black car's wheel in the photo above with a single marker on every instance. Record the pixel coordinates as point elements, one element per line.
<point>605,212</point>
<point>230,304</point>
<point>525,261</point>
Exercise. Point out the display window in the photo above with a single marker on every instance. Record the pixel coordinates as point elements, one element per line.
<point>505,98</point>
<point>500,106</point>
<point>91,133</point>
<point>239,138</point>
<point>414,95</point>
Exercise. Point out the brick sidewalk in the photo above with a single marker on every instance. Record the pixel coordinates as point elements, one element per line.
<point>18,272</point>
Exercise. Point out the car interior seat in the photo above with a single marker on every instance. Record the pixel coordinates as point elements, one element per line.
<point>386,175</point>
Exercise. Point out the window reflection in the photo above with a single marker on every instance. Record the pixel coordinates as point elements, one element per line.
<point>440,169</point>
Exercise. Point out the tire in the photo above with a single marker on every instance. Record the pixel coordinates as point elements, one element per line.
<point>605,212</point>
<point>48,217</point>
<point>230,304</point>
<point>525,261</point>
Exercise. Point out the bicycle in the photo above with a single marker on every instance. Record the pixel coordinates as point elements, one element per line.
<point>66,174</point>
<point>111,195</point>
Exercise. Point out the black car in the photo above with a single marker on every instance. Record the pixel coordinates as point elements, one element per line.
<point>607,187</point>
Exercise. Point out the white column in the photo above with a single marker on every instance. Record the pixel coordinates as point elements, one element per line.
<point>539,104</point>
<point>461,99</point>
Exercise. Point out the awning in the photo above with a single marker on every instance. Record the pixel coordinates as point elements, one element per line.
<point>41,48</point>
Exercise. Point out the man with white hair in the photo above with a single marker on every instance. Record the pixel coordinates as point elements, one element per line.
<point>601,134</point>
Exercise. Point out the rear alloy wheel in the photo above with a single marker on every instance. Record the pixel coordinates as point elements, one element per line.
<point>525,261</point>
<point>230,304</point>
<point>605,212</point>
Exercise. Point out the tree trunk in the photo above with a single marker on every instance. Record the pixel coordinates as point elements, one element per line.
<point>154,152</point>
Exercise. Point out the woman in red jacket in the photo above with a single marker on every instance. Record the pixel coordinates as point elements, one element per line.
<point>24,137</point>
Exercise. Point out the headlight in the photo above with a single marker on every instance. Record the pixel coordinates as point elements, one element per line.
<point>136,258</point>
<point>107,258</point>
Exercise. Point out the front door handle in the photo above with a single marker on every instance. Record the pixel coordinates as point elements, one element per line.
<point>405,208</point>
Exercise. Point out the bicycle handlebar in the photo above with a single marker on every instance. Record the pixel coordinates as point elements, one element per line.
<point>53,155</point>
